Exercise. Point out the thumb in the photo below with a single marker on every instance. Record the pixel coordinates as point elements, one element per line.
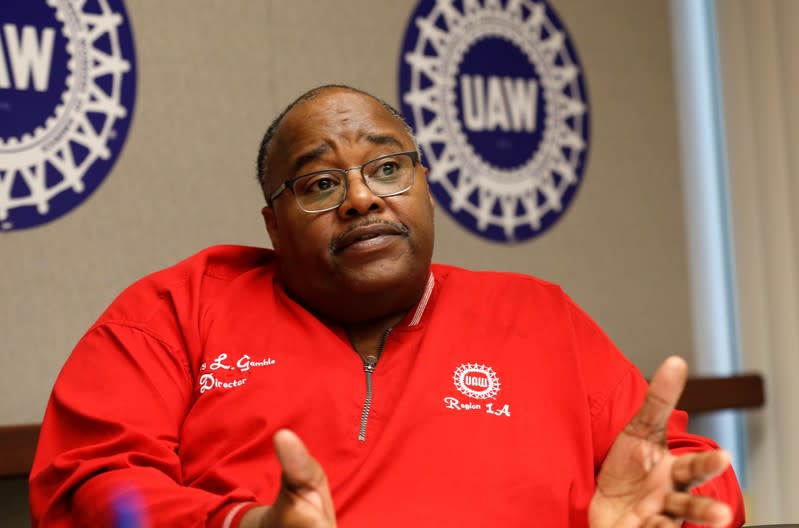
<point>661,398</point>
<point>303,477</point>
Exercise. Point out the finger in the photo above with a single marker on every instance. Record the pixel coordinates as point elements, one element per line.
<point>661,397</point>
<point>662,521</point>
<point>697,509</point>
<point>302,474</point>
<point>633,520</point>
<point>692,469</point>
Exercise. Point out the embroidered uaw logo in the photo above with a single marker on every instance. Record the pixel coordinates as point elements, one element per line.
<point>476,381</point>
<point>497,97</point>
<point>67,88</point>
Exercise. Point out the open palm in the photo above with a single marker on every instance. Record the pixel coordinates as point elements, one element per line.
<point>641,484</point>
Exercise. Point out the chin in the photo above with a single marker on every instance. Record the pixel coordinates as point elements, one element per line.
<point>362,286</point>
<point>377,277</point>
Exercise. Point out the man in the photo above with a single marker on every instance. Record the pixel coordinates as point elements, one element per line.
<point>428,395</point>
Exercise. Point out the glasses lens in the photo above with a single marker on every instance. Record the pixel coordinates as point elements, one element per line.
<point>320,190</point>
<point>390,174</point>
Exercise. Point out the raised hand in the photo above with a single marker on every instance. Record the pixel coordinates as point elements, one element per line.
<point>304,499</point>
<point>641,484</point>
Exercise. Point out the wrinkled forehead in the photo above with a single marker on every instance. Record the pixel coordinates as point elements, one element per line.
<point>336,119</point>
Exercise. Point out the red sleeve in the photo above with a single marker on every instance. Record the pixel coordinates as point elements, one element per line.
<point>616,391</point>
<point>724,487</point>
<point>109,439</point>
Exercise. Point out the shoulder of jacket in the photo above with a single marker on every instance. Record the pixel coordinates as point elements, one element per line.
<point>493,279</point>
<point>189,281</point>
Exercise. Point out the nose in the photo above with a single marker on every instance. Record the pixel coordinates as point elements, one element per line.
<point>360,200</point>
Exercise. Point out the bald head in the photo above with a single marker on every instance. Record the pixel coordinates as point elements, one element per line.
<point>264,153</point>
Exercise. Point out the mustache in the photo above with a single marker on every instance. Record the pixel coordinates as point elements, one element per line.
<point>334,244</point>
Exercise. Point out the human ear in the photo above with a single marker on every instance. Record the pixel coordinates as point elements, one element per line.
<point>429,193</point>
<point>270,221</point>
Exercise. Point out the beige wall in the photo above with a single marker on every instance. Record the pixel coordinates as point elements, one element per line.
<point>210,77</point>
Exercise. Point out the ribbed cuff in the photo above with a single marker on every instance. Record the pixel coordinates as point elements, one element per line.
<point>230,516</point>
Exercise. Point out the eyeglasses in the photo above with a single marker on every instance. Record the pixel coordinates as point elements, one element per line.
<point>326,189</point>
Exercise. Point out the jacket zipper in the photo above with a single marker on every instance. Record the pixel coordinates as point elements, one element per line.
<point>369,365</point>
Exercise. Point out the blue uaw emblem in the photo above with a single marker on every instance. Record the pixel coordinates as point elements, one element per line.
<point>67,88</point>
<point>497,97</point>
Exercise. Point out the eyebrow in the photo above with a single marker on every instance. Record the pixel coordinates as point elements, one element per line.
<point>310,156</point>
<point>383,139</point>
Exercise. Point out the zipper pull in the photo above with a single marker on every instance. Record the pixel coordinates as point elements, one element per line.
<point>369,363</point>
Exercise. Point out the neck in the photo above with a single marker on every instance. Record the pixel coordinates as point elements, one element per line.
<point>356,303</point>
<point>367,337</point>
<point>365,318</point>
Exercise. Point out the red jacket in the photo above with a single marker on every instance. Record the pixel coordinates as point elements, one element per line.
<point>493,404</point>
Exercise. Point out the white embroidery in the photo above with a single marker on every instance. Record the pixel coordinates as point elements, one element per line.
<point>476,381</point>
<point>244,364</point>
<point>218,363</point>
<point>479,382</point>
<point>209,381</point>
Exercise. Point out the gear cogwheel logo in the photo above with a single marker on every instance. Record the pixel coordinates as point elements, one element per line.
<point>476,381</point>
<point>67,91</point>
<point>497,97</point>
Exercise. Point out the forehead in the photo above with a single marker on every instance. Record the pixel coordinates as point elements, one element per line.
<point>335,120</point>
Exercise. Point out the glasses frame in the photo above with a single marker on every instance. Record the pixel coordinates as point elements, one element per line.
<point>289,184</point>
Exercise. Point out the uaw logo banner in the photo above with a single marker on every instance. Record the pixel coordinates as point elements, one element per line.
<point>67,88</point>
<point>498,100</point>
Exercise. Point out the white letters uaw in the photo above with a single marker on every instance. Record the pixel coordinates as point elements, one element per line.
<point>225,374</point>
<point>477,382</point>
